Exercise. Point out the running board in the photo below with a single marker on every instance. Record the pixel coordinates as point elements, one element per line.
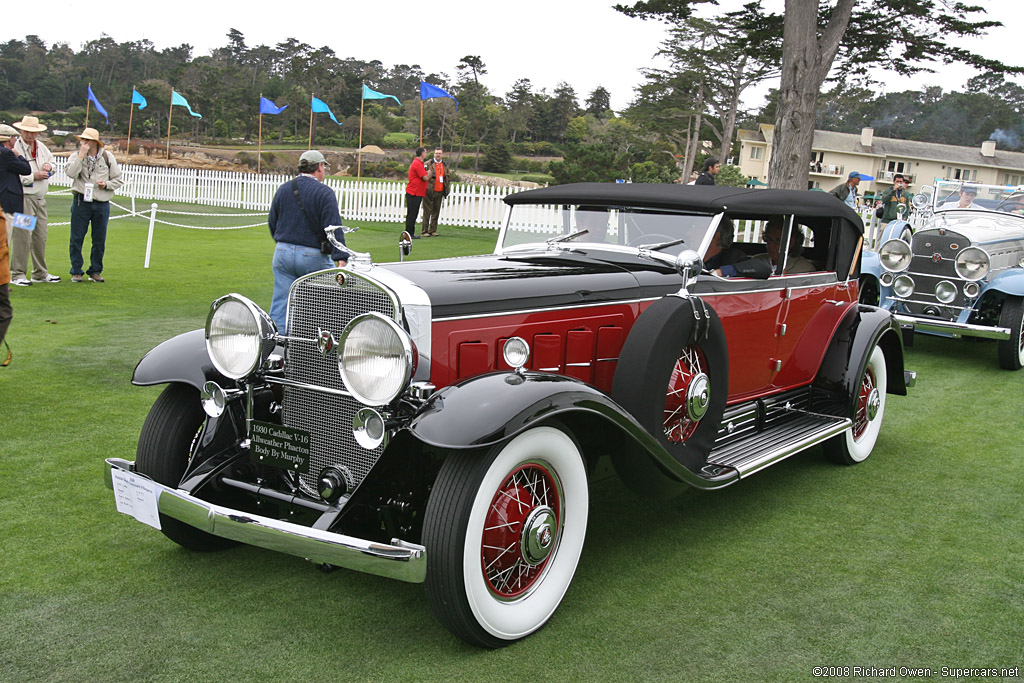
<point>783,439</point>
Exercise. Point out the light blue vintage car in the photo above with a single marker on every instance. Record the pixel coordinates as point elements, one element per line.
<point>961,273</point>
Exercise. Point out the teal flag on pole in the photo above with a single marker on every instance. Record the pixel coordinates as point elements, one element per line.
<point>319,106</point>
<point>369,94</point>
<point>181,101</point>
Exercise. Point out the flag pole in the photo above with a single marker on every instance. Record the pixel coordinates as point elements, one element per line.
<point>259,147</point>
<point>359,154</point>
<point>169,113</point>
<point>87,102</point>
<point>310,146</point>
<point>131,112</point>
<point>421,121</point>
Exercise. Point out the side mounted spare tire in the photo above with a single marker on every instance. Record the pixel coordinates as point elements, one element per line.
<point>673,376</point>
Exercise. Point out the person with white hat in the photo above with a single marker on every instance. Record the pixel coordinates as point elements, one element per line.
<point>301,209</point>
<point>94,176</point>
<point>11,168</point>
<point>34,185</point>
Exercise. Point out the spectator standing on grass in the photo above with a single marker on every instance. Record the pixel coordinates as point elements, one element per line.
<point>35,185</point>
<point>94,176</point>
<point>438,187</point>
<point>301,209</point>
<point>415,190</point>
<point>708,172</point>
<point>847,192</point>
<point>11,169</point>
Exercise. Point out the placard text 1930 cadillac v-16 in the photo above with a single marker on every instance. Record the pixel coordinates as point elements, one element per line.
<point>437,421</point>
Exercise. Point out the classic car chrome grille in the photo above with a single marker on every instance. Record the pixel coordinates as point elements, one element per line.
<point>925,245</point>
<point>316,303</point>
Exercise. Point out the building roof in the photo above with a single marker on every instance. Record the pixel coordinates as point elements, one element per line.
<point>850,143</point>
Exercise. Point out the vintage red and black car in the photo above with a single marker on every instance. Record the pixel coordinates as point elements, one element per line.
<point>440,421</point>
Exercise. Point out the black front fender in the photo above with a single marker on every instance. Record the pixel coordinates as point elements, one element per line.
<point>180,359</point>
<point>489,409</point>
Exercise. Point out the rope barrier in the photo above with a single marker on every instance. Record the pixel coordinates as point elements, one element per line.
<point>192,213</point>
<point>197,227</point>
<point>145,215</point>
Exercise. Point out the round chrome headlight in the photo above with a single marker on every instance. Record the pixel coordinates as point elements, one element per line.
<point>972,290</point>
<point>972,263</point>
<point>945,291</point>
<point>239,336</point>
<point>895,255</point>
<point>376,359</point>
<point>903,286</point>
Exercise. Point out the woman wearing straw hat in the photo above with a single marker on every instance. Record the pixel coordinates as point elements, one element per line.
<point>34,186</point>
<point>95,175</point>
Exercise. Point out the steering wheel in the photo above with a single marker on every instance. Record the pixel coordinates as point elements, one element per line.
<point>649,238</point>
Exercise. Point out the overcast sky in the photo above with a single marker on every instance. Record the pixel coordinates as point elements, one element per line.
<point>583,42</point>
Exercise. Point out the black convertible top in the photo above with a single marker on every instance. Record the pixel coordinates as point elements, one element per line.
<point>738,202</point>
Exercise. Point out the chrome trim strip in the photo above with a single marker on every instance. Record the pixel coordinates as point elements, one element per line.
<point>302,385</point>
<point>954,328</point>
<point>400,560</point>
<point>525,311</point>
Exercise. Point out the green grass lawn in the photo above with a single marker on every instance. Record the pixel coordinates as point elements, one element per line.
<point>913,558</point>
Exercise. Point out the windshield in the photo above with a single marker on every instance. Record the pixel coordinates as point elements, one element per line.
<point>956,194</point>
<point>604,225</point>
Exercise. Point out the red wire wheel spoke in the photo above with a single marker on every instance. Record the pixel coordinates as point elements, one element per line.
<point>677,423</point>
<point>528,494</point>
<point>861,419</point>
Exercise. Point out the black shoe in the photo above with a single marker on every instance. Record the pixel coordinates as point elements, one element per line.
<point>415,237</point>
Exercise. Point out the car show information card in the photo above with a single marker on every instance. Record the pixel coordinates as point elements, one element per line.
<point>136,496</point>
<point>279,446</point>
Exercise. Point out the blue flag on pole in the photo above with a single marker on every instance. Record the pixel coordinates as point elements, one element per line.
<point>319,106</point>
<point>374,95</point>
<point>268,106</point>
<point>96,103</point>
<point>181,101</point>
<point>138,99</point>
<point>429,92</point>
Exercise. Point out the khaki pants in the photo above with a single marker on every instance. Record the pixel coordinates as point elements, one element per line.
<point>25,242</point>
<point>431,210</point>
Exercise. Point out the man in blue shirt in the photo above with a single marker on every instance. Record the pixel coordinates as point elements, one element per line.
<point>301,209</point>
<point>847,192</point>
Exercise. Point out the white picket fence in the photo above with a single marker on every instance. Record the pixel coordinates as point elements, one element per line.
<point>368,200</point>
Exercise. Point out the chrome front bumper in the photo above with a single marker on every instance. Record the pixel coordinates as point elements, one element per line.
<point>954,329</point>
<point>400,560</point>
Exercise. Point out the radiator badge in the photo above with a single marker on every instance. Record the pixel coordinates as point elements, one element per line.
<point>340,279</point>
<point>325,341</point>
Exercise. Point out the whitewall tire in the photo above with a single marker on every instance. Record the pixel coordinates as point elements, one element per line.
<point>504,531</point>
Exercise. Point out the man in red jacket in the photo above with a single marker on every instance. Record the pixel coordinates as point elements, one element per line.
<point>415,190</point>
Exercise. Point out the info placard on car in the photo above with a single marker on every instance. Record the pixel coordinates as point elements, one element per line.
<point>279,446</point>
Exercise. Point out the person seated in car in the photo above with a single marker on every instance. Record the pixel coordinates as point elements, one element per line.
<point>795,263</point>
<point>968,193</point>
<point>721,251</point>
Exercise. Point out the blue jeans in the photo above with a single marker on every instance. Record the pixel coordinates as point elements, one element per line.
<point>83,213</point>
<point>292,261</point>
